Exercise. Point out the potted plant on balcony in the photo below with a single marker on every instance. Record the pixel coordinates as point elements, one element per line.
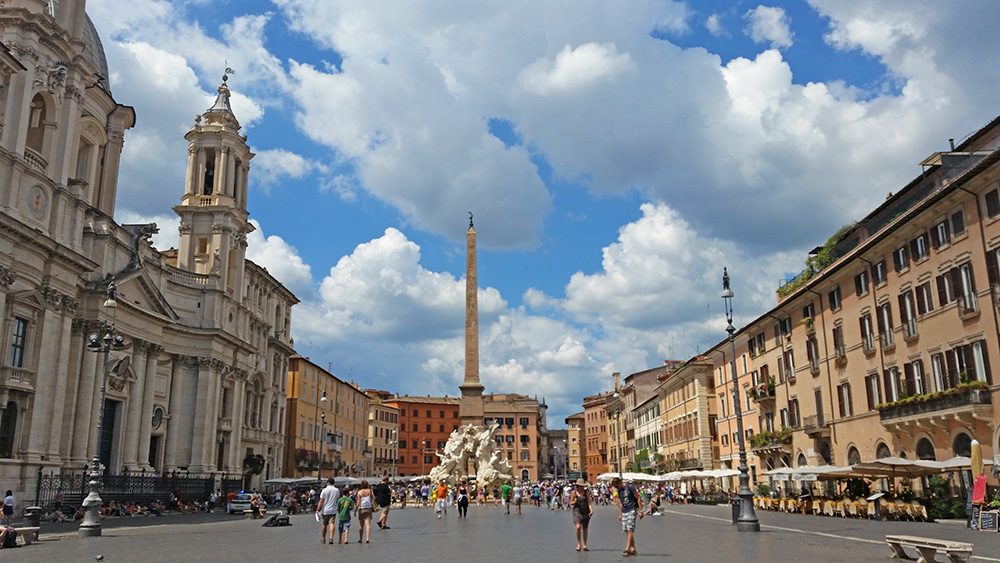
<point>306,459</point>
<point>253,464</point>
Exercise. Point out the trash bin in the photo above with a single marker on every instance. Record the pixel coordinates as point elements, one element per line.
<point>32,516</point>
<point>735,502</point>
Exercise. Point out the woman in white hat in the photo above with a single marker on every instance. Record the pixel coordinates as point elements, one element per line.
<point>579,501</point>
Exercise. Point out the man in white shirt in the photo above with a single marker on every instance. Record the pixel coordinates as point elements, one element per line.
<point>326,509</point>
<point>517,498</point>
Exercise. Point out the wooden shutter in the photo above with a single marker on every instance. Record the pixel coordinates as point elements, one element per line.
<point>910,384</point>
<point>869,392</point>
<point>942,287</point>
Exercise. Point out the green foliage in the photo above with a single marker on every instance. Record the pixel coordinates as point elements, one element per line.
<point>817,262</point>
<point>763,490</point>
<point>939,486</point>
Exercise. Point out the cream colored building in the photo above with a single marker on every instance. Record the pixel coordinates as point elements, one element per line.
<point>201,386</point>
<point>873,354</point>
<point>577,448</point>
<point>688,416</point>
<point>383,437</point>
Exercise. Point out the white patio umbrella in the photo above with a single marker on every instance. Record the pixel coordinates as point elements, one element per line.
<point>896,467</point>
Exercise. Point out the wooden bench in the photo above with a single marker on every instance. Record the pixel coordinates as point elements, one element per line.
<point>28,535</point>
<point>928,548</point>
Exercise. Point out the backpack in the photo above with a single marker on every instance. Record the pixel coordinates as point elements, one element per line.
<point>10,540</point>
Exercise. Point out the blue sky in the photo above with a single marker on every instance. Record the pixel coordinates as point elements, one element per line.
<point>616,156</point>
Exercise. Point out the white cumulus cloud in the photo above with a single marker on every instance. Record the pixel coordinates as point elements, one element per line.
<point>769,25</point>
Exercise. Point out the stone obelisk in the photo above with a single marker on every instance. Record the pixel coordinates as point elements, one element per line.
<point>470,410</point>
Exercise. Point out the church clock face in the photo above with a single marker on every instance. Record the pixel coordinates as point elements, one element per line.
<point>38,202</point>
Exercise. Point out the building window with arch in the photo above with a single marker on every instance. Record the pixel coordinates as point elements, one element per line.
<point>962,446</point>
<point>882,451</point>
<point>925,450</point>
<point>853,456</point>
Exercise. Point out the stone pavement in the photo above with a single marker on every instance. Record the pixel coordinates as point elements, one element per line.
<point>681,534</point>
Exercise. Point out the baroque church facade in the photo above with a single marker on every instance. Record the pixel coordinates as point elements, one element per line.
<point>200,387</point>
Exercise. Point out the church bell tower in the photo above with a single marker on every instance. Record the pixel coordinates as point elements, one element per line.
<point>213,210</point>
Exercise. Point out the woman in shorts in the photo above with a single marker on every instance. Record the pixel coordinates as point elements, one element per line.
<point>365,508</point>
<point>579,500</point>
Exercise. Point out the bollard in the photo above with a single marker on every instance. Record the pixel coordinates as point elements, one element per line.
<point>735,501</point>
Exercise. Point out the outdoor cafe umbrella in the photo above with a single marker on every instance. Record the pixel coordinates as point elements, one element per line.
<point>894,467</point>
<point>977,458</point>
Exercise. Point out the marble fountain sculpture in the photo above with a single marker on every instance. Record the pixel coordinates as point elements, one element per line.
<point>475,443</point>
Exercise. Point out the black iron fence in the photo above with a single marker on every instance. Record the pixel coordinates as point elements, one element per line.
<point>132,487</point>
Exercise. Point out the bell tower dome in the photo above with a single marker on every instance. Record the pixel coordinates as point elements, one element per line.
<point>213,209</point>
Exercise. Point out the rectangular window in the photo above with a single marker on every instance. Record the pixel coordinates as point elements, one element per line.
<point>993,203</point>
<point>524,422</point>
<point>872,390</point>
<point>834,298</point>
<point>901,259</point>
<point>785,420</point>
<point>946,288</point>
<point>812,355</point>
<point>940,235</point>
<point>885,325</point>
<point>891,384</point>
<point>938,372</point>
<point>809,311</point>
<point>440,427</point>
<point>867,334</point>
<point>428,414</point>
<point>957,223</point>
<point>525,456</point>
<point>789,365</point>
<point>844,400</point>
<point>861,284</point>
<point>878,272</point>
<point>925,299</point>
<point>968,288</point>
<point>786,326</point>
<point>839,349</point>
<point>793,413</point>
<point>907,314</point>
<point>722,406</point>
<point>17,342</point>
<point>429,428</point>
<point>918,247</point>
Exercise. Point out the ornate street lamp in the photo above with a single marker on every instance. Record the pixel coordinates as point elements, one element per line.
<point>322,437</point>
<point>618,436</point>
<point>393,452</point>
<point>747,522</point>
<point>91,524</point>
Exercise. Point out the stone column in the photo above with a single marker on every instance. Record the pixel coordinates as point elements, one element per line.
<point>210,422</point>
<point>146,418</point>
<point>130,422</point>
<point>170,454</point>
<point>220,171</point>
<point>191,178</point>
<point>236,438</point>
<point>201,411</point>
<point>38,430</point>
<point>82,375</point>
<point>57,448</point>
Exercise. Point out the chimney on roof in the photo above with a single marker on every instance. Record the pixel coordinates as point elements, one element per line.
<point>952,143</point>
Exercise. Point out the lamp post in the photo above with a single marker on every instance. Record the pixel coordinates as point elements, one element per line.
<point>393,452</point>
<point>747,522</point>
<point>91,524</point>
<point>566,464</point>
<point>322,436</point>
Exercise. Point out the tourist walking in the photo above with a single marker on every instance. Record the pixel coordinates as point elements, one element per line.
<point>441,499</point>
<point>383,498</point>
<point>326,509</point>
<point>579,500</point>
<point>345,504</point>
<point>517,498</point>
<point>365,508</point>
<point>505,492</point>
<point>463,500</point>
<point>8,507</point>
<point>629,510</point>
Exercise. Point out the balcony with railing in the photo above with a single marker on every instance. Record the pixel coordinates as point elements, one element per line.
<point>771,442</point>
<point>868,342</point>
<point>815,426</point>
<point>35,160</point>
<point>20,379</point>
<point>967,400</point>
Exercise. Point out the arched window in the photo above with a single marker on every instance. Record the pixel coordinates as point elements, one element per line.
<point>962,445</point>
<point>882,451</point>
<point>853,456</point>
<point>925,450</point>
<point>8,425</point>
<point>801,461</point>
<point>36,124</point>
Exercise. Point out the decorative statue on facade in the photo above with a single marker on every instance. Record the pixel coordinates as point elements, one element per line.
<point>476,443</point>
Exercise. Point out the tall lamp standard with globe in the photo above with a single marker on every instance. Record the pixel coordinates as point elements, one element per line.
<point>747,522</point>
<point>91,524</point>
